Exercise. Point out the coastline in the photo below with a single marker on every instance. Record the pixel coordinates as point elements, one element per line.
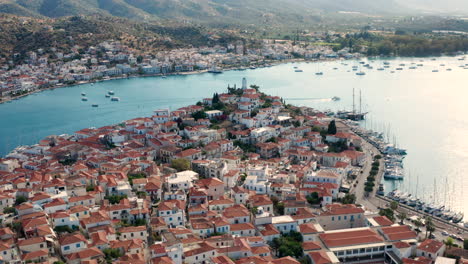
<point>234,68</point>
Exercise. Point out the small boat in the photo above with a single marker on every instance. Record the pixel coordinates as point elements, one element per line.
<point>336,98</point>
<point>164,76</point>
<point>95,105</point>
<point>381,190</point>
<point>419,65</point>
<point>448,69</point>
<point>386,63</point>
<point>107,95</point>
<point>115,99</point>
<point>442,65</point>
<point>298,70</point>
<point>111,92</point>
<point>435,70</point>
<point>253,67</point>
<point>335,68</point>
<point>386,66</point>
<point>399,69</point>
<point>84,99</point>
<point>319,73</point>
<point>360,73</point>
<point>83,94</point>
<point>381,69</point>
<point>412,67</point>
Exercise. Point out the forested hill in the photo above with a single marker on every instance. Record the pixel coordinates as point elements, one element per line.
<point>204,11</point>
<point>22,34</point>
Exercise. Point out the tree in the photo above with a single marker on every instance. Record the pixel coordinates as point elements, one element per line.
<point>199,115</point>
<point>215,99</point>
<point>20,199</point>
<point>465,244</point>
<point>349,199</point>
<point>9,210</point>
<point>180,164</point>
<point>402,216</point>
<point>388,213</point>
<point>449,242</point>
<point>313,198</point>
<point>332,128</point>
<point>429,226</point>
<point>394,205</point>
<point>418,223</point>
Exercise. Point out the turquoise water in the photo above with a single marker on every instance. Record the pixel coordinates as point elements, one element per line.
<point>425,111</point>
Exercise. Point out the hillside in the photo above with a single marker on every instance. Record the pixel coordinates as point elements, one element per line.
<point>203,11</point>
<point>20,34</point>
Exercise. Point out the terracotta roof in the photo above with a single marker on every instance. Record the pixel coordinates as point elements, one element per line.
<point>349,238</point>
<point>399,232</point>
<point>383,221</point>
<point>430,245</point>
<point>320,257</point>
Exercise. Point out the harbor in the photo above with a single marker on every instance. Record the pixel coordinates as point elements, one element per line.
<point>432,151</point>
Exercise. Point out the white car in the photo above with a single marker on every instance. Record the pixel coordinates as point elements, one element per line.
<point>445,233</point>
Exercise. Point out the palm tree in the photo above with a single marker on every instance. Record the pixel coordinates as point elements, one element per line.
<point>402,216</point>
<point>394,205</point>
<point>418,223</point>
<point>429,226</point>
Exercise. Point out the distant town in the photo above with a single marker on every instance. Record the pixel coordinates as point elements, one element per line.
<point>239,177</point>
<point>111,59</point>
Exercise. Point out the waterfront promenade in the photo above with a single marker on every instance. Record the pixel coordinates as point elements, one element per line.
<point>373,202</point>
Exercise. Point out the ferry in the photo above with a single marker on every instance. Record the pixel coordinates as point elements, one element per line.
<point>84,99</point>
<point>95,105</point>
<point>115,99</point>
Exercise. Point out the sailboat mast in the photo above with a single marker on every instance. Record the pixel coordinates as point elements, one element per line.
<point>354,109</point>
<point>360,101</point>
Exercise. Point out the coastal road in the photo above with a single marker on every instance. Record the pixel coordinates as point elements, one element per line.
<point>361,196</point>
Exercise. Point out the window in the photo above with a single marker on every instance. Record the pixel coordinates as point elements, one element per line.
<point>41,246</point>
<point>355,251</point>
<point>78,245</point>
<point>344,217</point>
<point>66,248</point>
<point>333,218</point>
<point>362,250</point>
<point>339,218</point>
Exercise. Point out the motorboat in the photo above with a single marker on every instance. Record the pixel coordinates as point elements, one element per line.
<point>84,99</point>
<point>115,99</point>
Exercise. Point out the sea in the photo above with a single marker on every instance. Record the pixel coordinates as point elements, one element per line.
<point>422,109</point>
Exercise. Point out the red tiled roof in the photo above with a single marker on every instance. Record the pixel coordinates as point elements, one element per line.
<point>348,238</point>
<point>430,245</point>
